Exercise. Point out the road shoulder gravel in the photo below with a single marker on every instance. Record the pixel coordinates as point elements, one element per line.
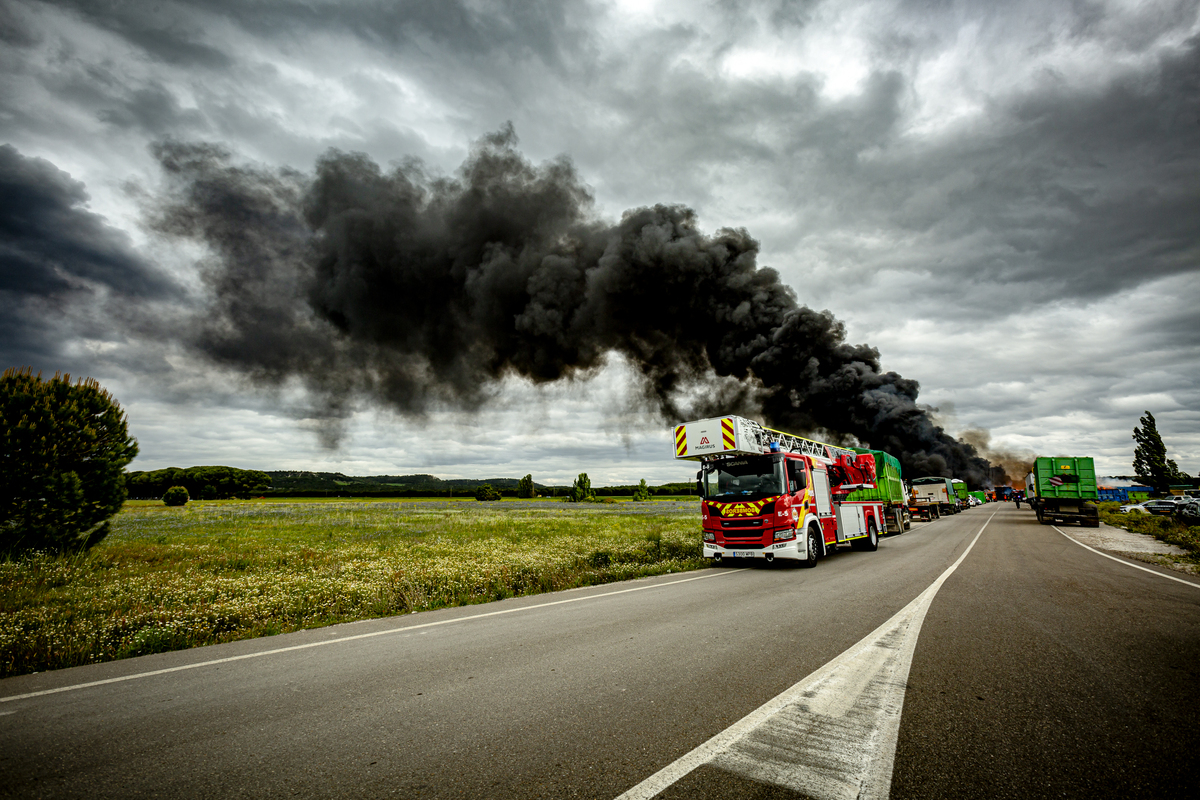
<point>1135,546</point>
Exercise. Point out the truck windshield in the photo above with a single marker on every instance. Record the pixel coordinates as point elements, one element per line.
<point>748,477</point>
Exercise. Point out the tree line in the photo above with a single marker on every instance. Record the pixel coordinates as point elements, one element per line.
<point>202,483</point>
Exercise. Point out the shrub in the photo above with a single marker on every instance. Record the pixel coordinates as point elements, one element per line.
<point>176,496</point>
<point>486,493</point>
<point>641,493</point>
<point>63,451</point>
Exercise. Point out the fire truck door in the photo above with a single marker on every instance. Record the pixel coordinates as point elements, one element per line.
<point>821,491</point>
<point>851,521</point>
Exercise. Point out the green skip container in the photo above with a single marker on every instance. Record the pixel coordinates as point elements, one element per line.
<point>1065,478</point>
<point>888,486</point>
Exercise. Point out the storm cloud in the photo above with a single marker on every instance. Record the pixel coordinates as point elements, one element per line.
<point>56,255</point>
<point>1000,197</point>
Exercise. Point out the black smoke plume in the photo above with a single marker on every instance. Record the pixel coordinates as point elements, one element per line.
<point>416,290</point>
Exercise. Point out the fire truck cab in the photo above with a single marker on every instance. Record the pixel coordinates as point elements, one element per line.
<point>769,495</point>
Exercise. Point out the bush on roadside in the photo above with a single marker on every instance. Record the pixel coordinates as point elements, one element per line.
<point>1165,529</point>
<point>176,496</point>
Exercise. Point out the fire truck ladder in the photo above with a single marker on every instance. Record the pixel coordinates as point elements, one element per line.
<point>798,444</point>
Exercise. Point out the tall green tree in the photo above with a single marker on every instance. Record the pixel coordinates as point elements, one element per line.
<point>525,487</point>
<point>63,451</point>
<point>642,492</point>
<point>1150,462</point>
<point>581,489</point>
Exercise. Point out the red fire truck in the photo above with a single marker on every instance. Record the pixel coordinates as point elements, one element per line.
<point>768,494</point>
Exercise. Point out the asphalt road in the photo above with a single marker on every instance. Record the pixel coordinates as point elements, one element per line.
<point>1040,669</point>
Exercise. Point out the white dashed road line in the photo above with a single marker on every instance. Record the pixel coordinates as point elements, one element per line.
<point>833,734</point>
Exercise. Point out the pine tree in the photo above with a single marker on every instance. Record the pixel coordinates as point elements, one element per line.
<point>1150,462</point>
<point>63,450</point>
<point>642,492</point>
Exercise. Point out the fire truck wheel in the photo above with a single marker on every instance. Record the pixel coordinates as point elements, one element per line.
<point>814,547</point>
<point>870,542</point>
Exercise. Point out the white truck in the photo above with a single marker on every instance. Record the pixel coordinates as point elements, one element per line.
<point>772,495</point>
<point>936,491</point>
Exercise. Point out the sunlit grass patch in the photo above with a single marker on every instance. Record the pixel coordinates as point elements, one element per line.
<point>208,572</point>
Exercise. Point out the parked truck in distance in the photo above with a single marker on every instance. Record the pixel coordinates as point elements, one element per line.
<point>1063,489</point>
<point>936,491</point>
<point>889,490</point>
<point>960,492</point>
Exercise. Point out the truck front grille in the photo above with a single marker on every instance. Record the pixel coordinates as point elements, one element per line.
<point>741,523</point>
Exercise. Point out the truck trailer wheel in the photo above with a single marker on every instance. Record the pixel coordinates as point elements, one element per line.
<point>814,547</point>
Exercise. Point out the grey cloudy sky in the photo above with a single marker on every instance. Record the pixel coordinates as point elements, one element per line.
<point>1003,198</point>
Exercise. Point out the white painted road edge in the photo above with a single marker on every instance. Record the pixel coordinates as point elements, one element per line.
<point>342,639</point>
<point>1125,562</point>
<point>833,734</point>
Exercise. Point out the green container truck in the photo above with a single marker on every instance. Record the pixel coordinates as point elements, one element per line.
<point>960,491</point>
<point>1063,489</point>
<point>980,496</point>
<point>889,490</point>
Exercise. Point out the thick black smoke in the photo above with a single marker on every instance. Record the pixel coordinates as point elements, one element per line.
<point>412,290</point>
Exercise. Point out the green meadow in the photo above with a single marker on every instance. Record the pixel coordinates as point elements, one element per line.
<point>172,578</point>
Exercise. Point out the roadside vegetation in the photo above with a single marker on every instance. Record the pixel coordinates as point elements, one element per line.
<point>170,578</point>
<point>1165,529</point>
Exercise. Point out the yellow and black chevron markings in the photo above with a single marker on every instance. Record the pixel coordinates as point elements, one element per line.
<point>727,433</point>
<point>746,508</point>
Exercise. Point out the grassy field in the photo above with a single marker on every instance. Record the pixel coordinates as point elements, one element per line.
<point>173,578</point>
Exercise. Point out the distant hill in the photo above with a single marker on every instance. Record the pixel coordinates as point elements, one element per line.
<point>292,482</point>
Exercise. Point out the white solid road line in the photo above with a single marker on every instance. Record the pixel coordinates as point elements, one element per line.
<point>390,632</point>
<point>1126,563</point>
<point>833,734</point>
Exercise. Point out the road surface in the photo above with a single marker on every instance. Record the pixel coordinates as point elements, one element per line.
<point>982,655</point>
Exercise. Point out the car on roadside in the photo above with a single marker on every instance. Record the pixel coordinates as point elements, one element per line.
<point>1188,513</point>
<point>1161,508</point>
